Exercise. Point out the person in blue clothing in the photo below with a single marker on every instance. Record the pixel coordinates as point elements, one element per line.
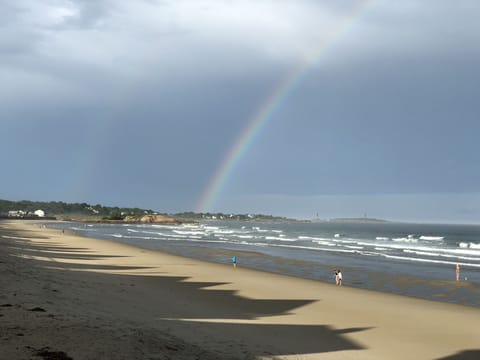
<point>234,261</point>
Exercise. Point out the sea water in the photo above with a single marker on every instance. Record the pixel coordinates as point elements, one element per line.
<point>403,258</point>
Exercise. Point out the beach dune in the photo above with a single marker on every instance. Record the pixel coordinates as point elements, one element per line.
<point>68,297</point>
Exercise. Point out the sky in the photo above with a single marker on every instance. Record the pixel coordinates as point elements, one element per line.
<point>296,108</point>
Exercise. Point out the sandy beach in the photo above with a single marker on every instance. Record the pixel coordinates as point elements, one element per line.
<point>68,297</point>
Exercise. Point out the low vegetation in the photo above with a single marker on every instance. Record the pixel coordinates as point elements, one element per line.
<point>87,212</point>
<point>74,211</point>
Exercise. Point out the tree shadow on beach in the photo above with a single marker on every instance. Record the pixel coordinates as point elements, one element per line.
<point>193,310</point>
<point>62,253</point>
<point>463,355</point>
<point>16,241</point>
<point>276,339</point>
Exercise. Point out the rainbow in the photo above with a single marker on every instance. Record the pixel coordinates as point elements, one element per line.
<point>269,106</point>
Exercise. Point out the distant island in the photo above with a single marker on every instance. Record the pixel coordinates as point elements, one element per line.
<point>84,212</point>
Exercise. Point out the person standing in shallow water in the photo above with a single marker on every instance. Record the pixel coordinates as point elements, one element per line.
<point>457,272</point>
<point>234,261</point>
<point>339,274</point>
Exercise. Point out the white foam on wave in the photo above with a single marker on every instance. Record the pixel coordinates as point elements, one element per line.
<point>469,245</point>
<point>172,235</point>
<point>178,236</point>
<point>223,231</point>
<point>353,247</point>
<point>346,241</point>
<point>192,239</point>
<point>407,240</point>
<point>452,263</point>
<point>367,243</point>
<point>253,243</point>
<point>431,238</point>
<point>445,255</point>
<point>425,253</point>
<point>243,236</point>
<point>314,248</point>
<point>147,238</point>
<point>313,238</point>
<point>161,226</point>
<point>206,241</point>
<point>164,238</point>
<point>321,242</point>
<point>189,232</point>
<point>211,227</point>
<point>455,251</point>
<point>423,248</point>
<point>261,244</point>
<point>279,238</point>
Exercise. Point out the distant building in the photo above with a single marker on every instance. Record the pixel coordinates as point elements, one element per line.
<point>39,213</point>
<point>93,210</point>
<point>16,213</point>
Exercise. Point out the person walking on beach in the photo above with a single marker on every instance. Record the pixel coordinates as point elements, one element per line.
<point>339,274</point>
<point>457,272</point>
<point>234,261</point>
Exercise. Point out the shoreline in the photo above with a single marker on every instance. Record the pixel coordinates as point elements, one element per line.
<point>441,289</point>
<point>153,304</point>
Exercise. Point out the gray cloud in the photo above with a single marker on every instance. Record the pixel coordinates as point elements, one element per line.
<point>388,106</point>
<point>89,14</point>
<point>132,40</point>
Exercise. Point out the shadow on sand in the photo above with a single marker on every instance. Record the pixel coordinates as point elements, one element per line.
<point>217,314</point>
<point>463,355</point>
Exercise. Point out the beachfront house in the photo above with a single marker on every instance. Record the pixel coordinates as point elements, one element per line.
<point>39,213</point>
<point>25,214</point>
<point>16,213</point>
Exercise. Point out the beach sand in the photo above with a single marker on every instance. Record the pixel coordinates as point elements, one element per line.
<point>69,297</point>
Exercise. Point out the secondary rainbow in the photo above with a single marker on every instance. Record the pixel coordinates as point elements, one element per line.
<point>264,113</point>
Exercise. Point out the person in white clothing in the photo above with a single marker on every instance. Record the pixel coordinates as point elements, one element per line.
<point>339,274</point>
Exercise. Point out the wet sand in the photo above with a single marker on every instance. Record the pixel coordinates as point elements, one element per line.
<point>64,296</point>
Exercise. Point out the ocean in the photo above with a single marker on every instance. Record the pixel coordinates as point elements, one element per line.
<point>402,258</point>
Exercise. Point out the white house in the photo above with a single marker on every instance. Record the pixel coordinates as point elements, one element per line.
<point>39,213</point>
<point>16,213</point>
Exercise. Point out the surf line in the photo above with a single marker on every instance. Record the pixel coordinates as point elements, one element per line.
<point>272,102</point>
